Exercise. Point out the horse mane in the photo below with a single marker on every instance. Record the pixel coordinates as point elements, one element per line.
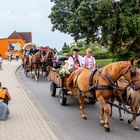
<point>112,67</point>
<point>114,64</point>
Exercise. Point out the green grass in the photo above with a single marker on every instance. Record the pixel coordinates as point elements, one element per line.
<point>103,62</point>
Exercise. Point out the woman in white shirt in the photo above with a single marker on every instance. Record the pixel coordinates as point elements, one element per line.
<point>89,60</point>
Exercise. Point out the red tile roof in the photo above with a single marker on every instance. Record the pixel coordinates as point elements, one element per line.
<point>27,36</point>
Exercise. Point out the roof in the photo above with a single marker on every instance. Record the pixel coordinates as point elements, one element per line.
<point>27,36</point>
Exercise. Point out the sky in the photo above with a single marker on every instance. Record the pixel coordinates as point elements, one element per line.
<point>31,16</point>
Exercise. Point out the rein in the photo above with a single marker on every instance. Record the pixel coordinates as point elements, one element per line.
<point>125,109</point>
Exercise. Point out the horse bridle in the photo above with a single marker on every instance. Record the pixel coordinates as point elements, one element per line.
<point>132,74</point>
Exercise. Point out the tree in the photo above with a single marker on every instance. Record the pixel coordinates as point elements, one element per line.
<point>65,48</point>
<point>118,22</point>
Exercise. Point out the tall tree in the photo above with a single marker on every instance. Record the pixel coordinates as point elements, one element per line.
<point>118,21</point>
<point>65,48</point>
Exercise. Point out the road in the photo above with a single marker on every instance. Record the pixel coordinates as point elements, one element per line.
<point>66,120</point>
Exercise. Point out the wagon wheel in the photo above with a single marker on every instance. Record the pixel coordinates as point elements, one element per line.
<point>53,87</point>
<point>63,96</point>
<point>91,100</point>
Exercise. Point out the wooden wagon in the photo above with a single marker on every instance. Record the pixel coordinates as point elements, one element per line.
<point>58,82</point>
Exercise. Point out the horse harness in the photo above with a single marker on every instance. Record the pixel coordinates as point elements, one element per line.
<point>95,86</point>
<point>108,78</point>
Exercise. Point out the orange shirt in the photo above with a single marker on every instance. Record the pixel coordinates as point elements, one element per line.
<point>2,94</point>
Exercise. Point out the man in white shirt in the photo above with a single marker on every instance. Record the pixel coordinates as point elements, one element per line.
<point>75,60</point>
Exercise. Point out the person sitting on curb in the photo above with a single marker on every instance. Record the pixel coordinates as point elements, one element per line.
<point>75,61</point>
<point>4,99</point>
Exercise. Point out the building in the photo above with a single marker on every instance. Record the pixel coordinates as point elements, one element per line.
<point>14,43</point>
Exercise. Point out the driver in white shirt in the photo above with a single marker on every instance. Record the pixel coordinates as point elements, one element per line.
<point>75,61</point>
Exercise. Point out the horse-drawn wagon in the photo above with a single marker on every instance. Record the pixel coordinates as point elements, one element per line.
<point>82,81</point>
<point>58,82</point>
<point>39,61</point>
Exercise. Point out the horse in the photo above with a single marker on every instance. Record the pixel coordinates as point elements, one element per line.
<point>131,97</point>
<point>82,82</point>
<point>35,63</point>
<point>48,61</point>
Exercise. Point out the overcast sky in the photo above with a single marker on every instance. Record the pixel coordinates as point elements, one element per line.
<point>31,16</point>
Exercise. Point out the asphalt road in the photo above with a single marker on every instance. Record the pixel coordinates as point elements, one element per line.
<point>66,120</point>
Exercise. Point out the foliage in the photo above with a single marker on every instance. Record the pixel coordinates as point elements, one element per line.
<point>98,52</point>
<point>103,62</point>
<point>118,22</point>
<point>65,48</point>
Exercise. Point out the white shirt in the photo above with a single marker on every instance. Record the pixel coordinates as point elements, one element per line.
<point>71,61</point>
<point>89,62</point>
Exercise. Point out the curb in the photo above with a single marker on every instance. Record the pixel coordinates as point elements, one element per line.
<point>46,126</point>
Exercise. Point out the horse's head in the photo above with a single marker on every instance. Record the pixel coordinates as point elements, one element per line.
<point>131,73</point>
<point>51,53</point>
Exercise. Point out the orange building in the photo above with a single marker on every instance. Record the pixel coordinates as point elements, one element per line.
<point>14,43</point>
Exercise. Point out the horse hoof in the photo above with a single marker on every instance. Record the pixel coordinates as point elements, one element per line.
<point>107,129</point>
<point>121,119</point>
<point>84,117</point>
<point>136,129</point>
<point>129,122</point>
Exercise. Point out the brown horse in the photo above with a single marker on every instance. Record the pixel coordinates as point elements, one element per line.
<point>35,62</point>
<point>101,81</point>
<point>48,61</point>
<point>131,97</point>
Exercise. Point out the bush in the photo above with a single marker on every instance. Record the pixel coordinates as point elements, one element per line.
<point>102,55</point>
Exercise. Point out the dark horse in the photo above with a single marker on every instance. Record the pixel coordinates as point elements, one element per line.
<point>48,61</point>
<point>101,84</point>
